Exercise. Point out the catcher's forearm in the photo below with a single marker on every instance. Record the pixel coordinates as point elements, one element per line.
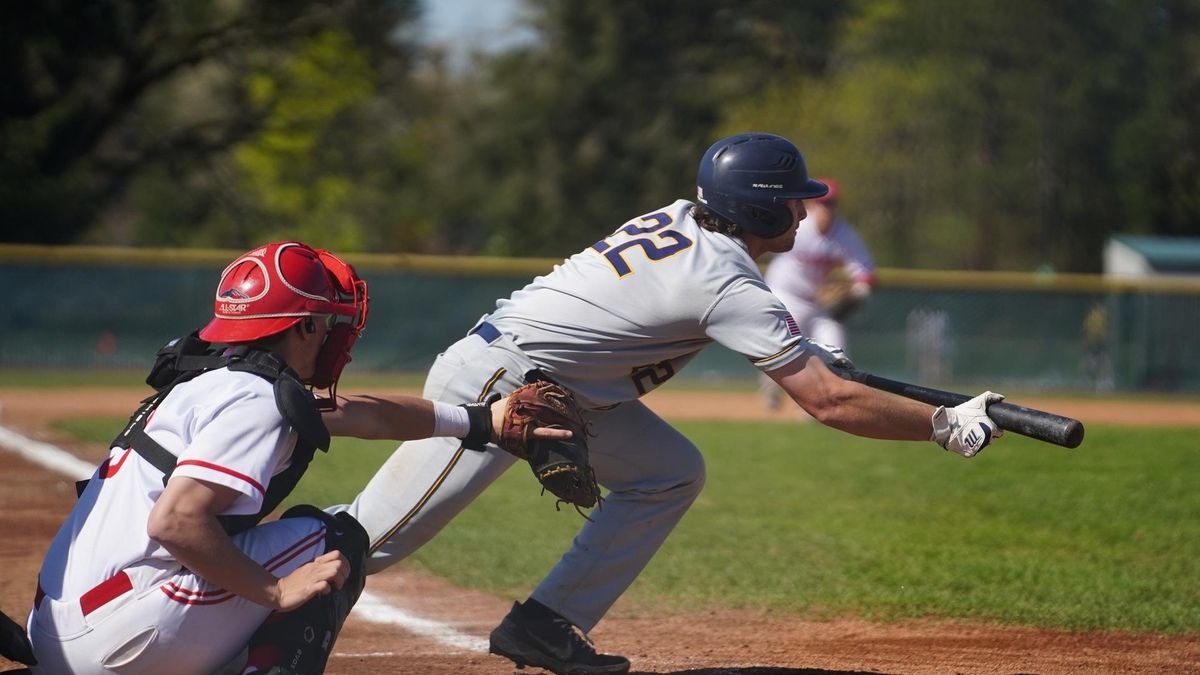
<point>376,417</point>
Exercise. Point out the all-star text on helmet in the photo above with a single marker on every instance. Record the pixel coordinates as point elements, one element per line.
<point>748,178</point>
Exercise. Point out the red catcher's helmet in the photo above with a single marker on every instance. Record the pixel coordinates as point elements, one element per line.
<point>830,197</point>
<point>272,288</point>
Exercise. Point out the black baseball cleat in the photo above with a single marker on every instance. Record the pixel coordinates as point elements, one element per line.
<point>534,635</point>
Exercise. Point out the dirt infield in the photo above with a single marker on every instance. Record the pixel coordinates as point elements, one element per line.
<point>34,501</point>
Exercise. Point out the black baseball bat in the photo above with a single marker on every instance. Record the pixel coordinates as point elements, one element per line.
<point>1039,424</point>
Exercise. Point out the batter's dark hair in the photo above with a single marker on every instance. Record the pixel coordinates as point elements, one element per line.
<point>712,222</point>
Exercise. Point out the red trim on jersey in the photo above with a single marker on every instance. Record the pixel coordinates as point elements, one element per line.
<point>104,592</point>
<point>216,467</point>
<point>108,469</point>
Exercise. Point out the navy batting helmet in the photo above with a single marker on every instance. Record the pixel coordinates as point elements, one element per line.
<point>747,179</point>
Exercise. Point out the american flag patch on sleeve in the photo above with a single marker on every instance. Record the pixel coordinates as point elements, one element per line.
<point>793,329</point>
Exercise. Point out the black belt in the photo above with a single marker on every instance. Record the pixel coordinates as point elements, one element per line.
<point>487,331</point>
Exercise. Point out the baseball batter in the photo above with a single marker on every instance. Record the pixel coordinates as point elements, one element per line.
<point>613,323</point>
<point>162,566</point>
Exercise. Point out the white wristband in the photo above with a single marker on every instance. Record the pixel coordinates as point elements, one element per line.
<point>450,420</point>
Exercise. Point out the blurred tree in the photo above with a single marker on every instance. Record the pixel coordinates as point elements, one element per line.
<point>605,116</point>
<point>299,187</point>
<point>99,95</point>
<point>1001,134</point>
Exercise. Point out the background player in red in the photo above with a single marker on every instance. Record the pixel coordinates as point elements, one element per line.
<point>826,275</point>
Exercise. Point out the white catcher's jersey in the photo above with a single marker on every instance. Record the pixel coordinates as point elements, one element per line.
<point>802,271</point>
<point>618,319</point>
<point>223,426</point>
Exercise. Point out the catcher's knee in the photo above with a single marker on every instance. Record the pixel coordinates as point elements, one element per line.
<point>344,534</point>
<point>303,638</point>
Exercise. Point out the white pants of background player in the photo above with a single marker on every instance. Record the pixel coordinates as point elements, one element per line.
<point>168,622</point>
<point>652,472</point>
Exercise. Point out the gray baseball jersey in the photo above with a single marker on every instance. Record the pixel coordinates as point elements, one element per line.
<point>625,315</point>
<point>611,323</point>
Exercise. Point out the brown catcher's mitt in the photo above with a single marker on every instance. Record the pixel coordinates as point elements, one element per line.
<point>560,466</point>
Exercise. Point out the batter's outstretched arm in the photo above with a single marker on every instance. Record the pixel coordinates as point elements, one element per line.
<point>850,406</point>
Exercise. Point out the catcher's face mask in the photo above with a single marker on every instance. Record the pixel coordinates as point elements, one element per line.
<point>350,316</point>
<point>272,288</point>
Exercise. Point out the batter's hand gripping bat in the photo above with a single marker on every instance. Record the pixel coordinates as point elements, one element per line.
<point>1038,424</point>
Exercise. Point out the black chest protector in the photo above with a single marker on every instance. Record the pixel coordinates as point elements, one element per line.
<point>189,356</point>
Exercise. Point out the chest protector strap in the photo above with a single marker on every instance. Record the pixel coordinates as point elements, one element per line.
<point>184,359</point>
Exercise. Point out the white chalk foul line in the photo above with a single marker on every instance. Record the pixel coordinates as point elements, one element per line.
<point>370,607</point>
<point>375,609</point>
<point>50,456</point>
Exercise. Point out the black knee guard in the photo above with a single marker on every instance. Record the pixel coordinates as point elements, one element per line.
<point>301,640</point>
<point>13,643</point>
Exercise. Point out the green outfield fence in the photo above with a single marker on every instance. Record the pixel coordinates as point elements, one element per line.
<point>100,307</point>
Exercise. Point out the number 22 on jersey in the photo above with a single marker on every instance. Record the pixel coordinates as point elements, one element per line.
<point>656,242</point>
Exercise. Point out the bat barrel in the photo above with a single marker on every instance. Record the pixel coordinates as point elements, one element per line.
<point>1045,426</point>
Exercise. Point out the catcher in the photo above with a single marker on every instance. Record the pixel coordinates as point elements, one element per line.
<point>164,565</point>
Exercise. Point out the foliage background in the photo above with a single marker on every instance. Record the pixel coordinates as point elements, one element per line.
<point>985,135</point>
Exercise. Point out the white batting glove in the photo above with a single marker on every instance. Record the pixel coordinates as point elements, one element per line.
<point>830,355</point>
<point>966,428</point>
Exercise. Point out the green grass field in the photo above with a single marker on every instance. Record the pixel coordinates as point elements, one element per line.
<point>800,518</point>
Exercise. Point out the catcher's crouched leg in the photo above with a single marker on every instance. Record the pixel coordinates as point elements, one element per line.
<point>299,642</point>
